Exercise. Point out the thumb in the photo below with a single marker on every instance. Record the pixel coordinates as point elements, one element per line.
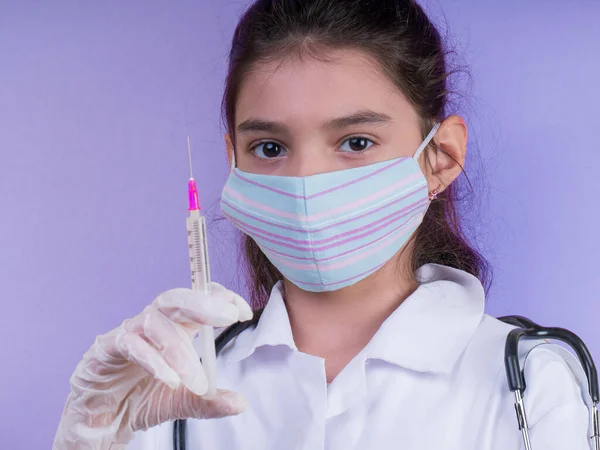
<point>224,403</point>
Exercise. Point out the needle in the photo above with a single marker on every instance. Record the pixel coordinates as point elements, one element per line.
<point>190,157</point>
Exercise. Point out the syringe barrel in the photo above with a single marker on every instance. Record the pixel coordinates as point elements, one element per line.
<point>200,268</point>
<point>200,271</point>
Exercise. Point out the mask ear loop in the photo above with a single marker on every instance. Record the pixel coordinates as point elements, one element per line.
<point>433,195</point>
<point>427,140</point>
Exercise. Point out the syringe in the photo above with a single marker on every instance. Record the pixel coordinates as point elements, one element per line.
<point>200,269</point>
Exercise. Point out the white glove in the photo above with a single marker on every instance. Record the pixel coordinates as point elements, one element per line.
<point>146,372</point>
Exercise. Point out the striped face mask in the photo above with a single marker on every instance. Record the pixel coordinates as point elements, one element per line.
<point>328,231</point>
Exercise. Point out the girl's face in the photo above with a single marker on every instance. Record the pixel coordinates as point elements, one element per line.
<point>303,116</point>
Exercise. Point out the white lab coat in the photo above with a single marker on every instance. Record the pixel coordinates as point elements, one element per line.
<point>432,377</point>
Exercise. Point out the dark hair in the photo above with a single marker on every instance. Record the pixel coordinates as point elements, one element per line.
<point>408,48</point>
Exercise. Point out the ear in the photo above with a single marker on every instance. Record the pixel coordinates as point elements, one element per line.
<point>229,148</point>
<point>446,165</point>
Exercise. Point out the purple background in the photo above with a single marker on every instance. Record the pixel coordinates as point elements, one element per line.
<point>96,99</point>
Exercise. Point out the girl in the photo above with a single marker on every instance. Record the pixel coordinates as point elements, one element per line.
<point>373,333</point>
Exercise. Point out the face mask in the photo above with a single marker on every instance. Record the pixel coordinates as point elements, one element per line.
<point>328,231</point>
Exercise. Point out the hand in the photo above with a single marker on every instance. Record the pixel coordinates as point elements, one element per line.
<point>146,372</point>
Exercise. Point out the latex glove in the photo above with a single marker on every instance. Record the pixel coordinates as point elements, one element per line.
<point>146,372</point>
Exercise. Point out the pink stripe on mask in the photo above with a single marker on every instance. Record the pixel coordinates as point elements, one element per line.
<point>310,244</point>
<point>301,218</point>
<point>283,240</point>
<point>245,179</point>
<point>384,241</point>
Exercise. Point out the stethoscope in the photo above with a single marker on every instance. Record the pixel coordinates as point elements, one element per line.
<point>514,374</point>
<point>516,378</point>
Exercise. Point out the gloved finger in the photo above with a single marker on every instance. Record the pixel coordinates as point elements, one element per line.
<point>176,348</point>
<point>135,349</point>
<point>245,311</point>
<point>220,308</point>
<point>224,403</point>
<point>243,307</point>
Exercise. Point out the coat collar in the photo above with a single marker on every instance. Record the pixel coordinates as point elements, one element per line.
<point>427,333</point>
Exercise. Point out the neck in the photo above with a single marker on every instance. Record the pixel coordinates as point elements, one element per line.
<point>337,325</point>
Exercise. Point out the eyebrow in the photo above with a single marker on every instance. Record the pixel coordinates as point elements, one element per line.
<point>358,118</point>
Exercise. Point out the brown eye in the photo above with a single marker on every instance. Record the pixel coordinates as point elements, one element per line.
<point>268,150</point>
<point>356,144</point>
